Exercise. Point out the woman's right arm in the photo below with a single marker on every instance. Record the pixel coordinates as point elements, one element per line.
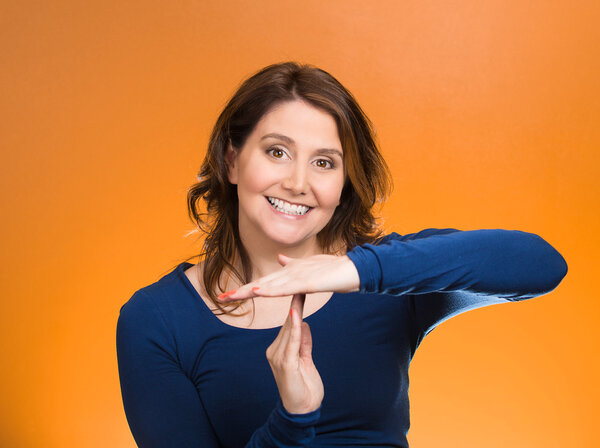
<point>162,405</point>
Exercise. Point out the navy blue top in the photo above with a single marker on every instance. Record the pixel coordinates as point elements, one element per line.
<point>190,380</point>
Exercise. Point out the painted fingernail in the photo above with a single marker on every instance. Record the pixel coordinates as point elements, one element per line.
<point>255,288</point>
<point>225,294</point>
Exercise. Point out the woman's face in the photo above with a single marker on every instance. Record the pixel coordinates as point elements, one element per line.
<point>289,175</point>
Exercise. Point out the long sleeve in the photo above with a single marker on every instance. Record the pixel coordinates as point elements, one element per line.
<point>162,405</point>
<point>456,271</point>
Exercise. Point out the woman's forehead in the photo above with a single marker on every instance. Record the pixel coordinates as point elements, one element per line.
<point>298,123</point>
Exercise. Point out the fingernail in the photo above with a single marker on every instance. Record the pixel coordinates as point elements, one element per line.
<point>225,294</point>
<point>292,314</point>
<point>255,288</point>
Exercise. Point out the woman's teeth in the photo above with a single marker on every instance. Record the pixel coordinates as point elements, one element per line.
<point>286,207</point>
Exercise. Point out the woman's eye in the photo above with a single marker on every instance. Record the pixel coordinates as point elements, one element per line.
<point>322,163</point>
<point>276,152</point>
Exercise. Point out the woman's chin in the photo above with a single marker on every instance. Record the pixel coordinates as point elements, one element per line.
<point>288,238</point>
<point>289,241</point>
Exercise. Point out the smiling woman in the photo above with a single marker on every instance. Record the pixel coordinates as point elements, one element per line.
<point>294,124</point>
<point>289,181</point>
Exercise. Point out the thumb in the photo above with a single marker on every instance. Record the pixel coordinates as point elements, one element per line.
<point>283,260</point>
<point>306,342</point>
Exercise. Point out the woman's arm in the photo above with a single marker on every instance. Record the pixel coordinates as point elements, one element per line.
<point>442,272</point>
<point>501,264</point>
<point>508,264</point>
<point>448,272</point>
<point>162,405</point>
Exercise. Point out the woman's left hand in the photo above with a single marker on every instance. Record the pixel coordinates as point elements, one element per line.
<point>317,273</point>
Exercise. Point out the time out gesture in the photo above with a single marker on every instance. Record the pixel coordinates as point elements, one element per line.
<point>290,355</point>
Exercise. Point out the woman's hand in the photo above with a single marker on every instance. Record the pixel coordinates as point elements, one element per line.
<point>290,356</point>
<point>317,273</point>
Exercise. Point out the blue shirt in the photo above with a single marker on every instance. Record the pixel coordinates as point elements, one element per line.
<point>190,380</point>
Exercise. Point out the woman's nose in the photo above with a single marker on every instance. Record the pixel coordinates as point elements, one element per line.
<point>296,180</point>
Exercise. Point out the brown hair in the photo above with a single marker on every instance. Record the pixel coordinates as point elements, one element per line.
<point>368,180</point>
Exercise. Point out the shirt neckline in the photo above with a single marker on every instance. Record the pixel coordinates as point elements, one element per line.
<point>188,285</point>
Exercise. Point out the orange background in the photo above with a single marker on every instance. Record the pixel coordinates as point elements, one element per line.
<point>487,112</point>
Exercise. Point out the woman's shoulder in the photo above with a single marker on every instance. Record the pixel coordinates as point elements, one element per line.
<point>168,311</point>
<point>160,296</point>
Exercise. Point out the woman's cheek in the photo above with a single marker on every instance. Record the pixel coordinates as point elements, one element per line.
<point>332,192</point>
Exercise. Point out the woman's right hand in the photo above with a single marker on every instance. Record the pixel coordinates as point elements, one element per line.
<point>290,356</point>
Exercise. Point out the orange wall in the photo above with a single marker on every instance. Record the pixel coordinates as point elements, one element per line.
<point>486,111</point>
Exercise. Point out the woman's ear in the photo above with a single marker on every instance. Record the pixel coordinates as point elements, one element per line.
<point>231,161</point>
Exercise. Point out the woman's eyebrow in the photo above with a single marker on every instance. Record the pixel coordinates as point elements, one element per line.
<point>285,138</point>
<point>289,140</point>
<point>331,151</point>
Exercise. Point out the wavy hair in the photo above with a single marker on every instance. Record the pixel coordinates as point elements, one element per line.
<point>213,203</point>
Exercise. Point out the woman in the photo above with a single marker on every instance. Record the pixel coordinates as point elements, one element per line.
<point>298,325</point>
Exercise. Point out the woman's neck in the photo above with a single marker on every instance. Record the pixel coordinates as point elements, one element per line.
<point>263,254</point>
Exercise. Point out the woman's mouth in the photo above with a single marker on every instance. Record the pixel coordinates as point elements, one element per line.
<point>287,208</point>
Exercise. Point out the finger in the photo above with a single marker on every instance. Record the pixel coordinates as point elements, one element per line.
<point>256,288</point>
<point>283,259</point>
<point>244,292</point>
<point>298,304</point>
<point>306,342</point>
<point>282,337</point>
<point>282,352</point>
<point>292,349</point>
<point>282,287</point>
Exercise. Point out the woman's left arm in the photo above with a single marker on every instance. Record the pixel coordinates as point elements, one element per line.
<point>505,264</point>
<point>508,264</point>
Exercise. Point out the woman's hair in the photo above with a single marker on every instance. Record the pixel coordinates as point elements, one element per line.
<point>368,180</point>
